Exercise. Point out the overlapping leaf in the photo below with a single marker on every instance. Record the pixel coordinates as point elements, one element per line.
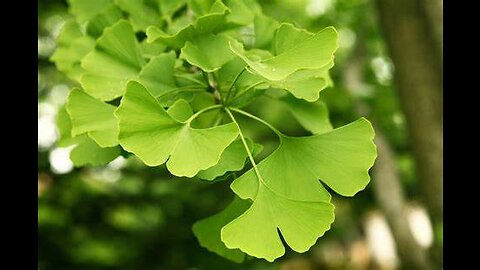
<point>148,131</point>
<point>92,116</point>
<point>72,46</point>
<point>314,52</point>
<point>115,59</point>
<point>208,230</point>
<point>287,194</point>
<point>209,52</point>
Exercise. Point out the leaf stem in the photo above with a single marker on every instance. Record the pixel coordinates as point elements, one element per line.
<point>209,108</point>
<point>250,156</point>
<point>233,83</point>
<point>246,90</point>
<point>280,134</point>
<point>181,89</point>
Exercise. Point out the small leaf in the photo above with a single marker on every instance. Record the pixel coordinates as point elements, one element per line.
<point>232,159</point>
<point>180,110</point>
<point>264,28</point>
<point>212,22</point>
<point>158,75</point>
<point>207,230</point>
<point>84,10</point>
<point>92,116</point>
<point>148,131</point>
<point>209,52</point>
<point>313,116</point>
<point>115,59</point>
<point>72,46</point>
<point>141,15</point>
<point>314,52</point>
<point>64,127</point>
<point>110,15</point>
<point>87,152</point>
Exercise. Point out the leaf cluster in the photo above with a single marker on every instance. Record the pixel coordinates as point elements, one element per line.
<point>166,80</point>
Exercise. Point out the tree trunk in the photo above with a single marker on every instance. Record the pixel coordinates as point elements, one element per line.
<point>386,180</point>
<point>418,75</point>
<point>390,196</point>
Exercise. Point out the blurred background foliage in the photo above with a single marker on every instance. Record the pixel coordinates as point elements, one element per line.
<point>130,216</point>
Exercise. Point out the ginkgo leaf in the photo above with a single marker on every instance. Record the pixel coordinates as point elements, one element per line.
<point>207,230</point>
<point>208,23</point>
<point>180,110</point>
<point>141,14</point>
<point>158,75</point>
<point>264,28</point>
<point>288,36</point>
<point>313,116</point>
<point>232,159</point>
<point>72,46</point>
<point>64,127</point>
<point>200,7</point>
<point>115,59</point>
<point>84,10</point>
<point>209,52</point>
<point>167,8</point>
<point>148,131</point>
<point>314,52</point>
<point>242,12</point>
<point>286,189</point>
<point>92,116</point>
<point>87,152</point>
<point>301,223</point>
<point>110,15</point>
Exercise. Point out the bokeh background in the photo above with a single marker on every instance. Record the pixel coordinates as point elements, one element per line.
<point>388,68</point>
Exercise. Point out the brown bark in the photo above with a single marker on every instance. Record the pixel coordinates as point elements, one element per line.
<point>390,196</point>
<point>418,75</point>
<point>386,180</point>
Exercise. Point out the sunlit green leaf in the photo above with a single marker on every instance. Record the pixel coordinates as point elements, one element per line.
<point>84,10</point>
<point>141,15</point>
<point>92,116</point>
<point>287,194</point>
<point>313,116</point>
<point>314,52</point>
<point>207,230</point>
<point>87,152</point>
<point>72,46</point>
<point>148,131</point>
<point>115,59</point>
<point>232,159</point>
<point>209,52</point>
<point>110,15</point>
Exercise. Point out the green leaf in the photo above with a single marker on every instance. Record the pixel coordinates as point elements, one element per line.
<point>92,116</point>
<point>287,36</point>
<point>64,127</point>
<point>287,194</point>
<point>232,159</point>
<point>148,131</point>
<point>209,52</point>
<point>141,15</point>
<point>300,223</point>
<point>212,22</point>
<point>207,230</point>
<point>87,152</point>
<point>72,46</point>
<point>264,28</point>
<point>180,110</point>
<point>242,12</point>
<point>110,15</point>
<point>306,84</point>
<point>167,8</point>
<point>314,52</point>
<point>313,116</point>
<point>115,59</point>
<point>200,7</point>
<point>84,10</point>
<point>158,75</point>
